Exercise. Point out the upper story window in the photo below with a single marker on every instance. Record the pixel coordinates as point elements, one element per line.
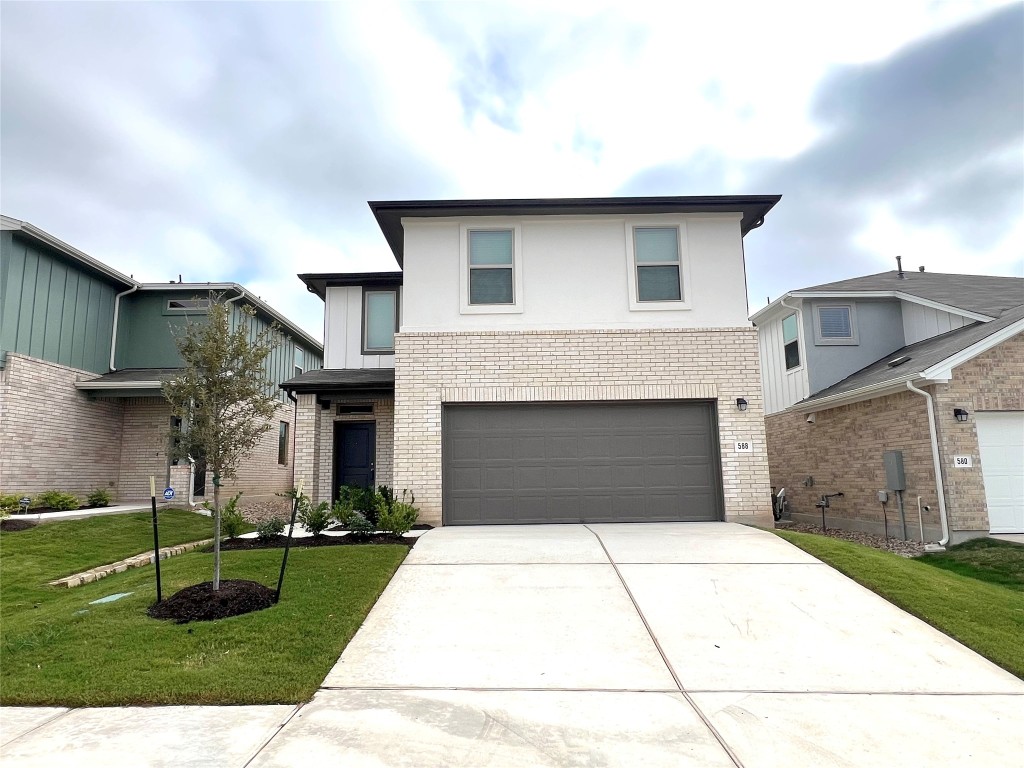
<point>188,305</point>
<point>791,342</point>
<point>298,366</point>
<point>380,321</point>
<point>658,276</point>
<point>492,280</point>
<point>835,324</point>
<point>658,267</point>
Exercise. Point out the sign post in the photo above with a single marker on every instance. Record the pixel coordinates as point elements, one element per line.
<point>156,535</point>
<point>288,542</point>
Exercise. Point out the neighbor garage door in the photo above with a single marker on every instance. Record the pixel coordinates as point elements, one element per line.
<point>1001,444</point>
<point>580,462</point>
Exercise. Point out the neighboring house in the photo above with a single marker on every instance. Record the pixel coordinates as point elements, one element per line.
<point>83,352</point>
<point>545,361</point>
<point>857,368</point>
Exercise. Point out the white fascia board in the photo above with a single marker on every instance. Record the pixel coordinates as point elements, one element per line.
<point>855,395</point>
<point>249,296</point>
<point>92,384</point>
<point>944,370</point>
<point>766,311</point>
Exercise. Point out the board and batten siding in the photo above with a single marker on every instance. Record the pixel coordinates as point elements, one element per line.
<point>343,329</point>
<point>920,322</point>
<point>782,388</point>
<point>53,310</point>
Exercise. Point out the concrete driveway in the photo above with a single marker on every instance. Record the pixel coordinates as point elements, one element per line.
<point>659,645</point>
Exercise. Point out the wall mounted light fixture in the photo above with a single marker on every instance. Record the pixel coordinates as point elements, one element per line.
<point>960,414</point>
<point>741,403</point>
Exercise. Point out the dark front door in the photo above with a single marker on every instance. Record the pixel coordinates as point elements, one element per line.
<point>354,454</point>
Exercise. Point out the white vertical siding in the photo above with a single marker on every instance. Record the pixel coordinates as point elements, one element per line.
<point>782,388</point>
<point>343,328</point>
<point>920,322</point>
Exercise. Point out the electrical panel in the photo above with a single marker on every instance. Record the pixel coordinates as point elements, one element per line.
<point>895,477</point>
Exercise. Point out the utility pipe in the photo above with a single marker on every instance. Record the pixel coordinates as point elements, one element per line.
<point>936,461</point>
<point>191,482</point>
<point>113,333</point>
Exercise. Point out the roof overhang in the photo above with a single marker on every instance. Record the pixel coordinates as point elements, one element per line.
<point>776,305</point>
<point>121,388</point>
<point>389,214</point>
<point>319,282</point>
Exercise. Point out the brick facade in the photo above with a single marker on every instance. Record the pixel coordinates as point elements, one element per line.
<point>53,435</point>
<point>843,449</point>
<point>580,365</point>
<point>315,441</point>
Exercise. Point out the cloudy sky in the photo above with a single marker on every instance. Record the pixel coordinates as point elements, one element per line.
<point>241,141</point>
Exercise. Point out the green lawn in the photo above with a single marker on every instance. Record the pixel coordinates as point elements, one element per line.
<point>988,617</point>
<point>991,560</point>
<point>58,650</point>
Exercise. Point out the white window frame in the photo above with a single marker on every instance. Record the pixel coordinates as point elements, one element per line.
<point>800,346</point>
<point>848,341</point>
<point>685,287</point>
<point>516,307</point>
<point>202,305</point>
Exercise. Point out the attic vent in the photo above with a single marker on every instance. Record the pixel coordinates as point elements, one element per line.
<point>344,409</point>
<point>898,361</point>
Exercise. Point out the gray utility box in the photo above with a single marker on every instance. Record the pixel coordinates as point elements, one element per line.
<point>895,477</point>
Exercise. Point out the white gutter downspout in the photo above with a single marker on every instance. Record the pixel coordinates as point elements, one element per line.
<point>936,461</point>
<point>191,482</point>
<point>113,333</point>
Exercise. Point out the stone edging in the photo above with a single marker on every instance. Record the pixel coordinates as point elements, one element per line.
<point>146,558</point>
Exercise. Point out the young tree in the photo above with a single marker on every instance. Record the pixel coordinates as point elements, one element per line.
<point>222,395</point>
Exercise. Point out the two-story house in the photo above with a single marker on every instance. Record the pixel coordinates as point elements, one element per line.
<point>920,369</point>
<point>545,361</point>
<point>83,352</point>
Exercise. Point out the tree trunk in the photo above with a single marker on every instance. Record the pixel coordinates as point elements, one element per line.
<point>216,535</point>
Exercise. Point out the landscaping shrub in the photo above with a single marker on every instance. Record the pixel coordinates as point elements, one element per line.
<point>364,500</point>
<point>57,500</point>
<point>359,527</point>
<point>398,517</point>
<point>342,511</point>
<point>268,529</point>
<point>232,524</point>
<point>315,517</point>
<point>9,503</point>
<point>101,497</point>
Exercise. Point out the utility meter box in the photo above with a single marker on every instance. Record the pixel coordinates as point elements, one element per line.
<point>895,478</point>
<point>883,496</point>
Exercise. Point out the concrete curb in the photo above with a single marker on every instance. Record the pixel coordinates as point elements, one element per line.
<point>95,574</point>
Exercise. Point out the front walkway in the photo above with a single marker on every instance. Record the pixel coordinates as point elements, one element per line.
<point>702,644</point>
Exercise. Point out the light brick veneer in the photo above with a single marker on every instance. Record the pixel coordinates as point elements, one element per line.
<point>843,449</point>
<point>583,365</point>
<point>52,435</point>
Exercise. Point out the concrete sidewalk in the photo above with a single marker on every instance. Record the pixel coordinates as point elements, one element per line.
<point>704,644</point>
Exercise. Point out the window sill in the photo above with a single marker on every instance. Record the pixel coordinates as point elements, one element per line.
<point>658,306</point>
<point>490,309</point>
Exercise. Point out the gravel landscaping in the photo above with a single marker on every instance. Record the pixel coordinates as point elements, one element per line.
<point>896,546</point>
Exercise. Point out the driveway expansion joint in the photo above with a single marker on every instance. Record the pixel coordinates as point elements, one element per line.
<point>280,727</point>
<point>35,728</point>
<point>704,718</point>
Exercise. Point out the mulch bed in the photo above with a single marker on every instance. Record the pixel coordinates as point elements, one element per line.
<point>894,545</point>
<point>278,542</point>
<point>200,603</point>
<point>16,525</point>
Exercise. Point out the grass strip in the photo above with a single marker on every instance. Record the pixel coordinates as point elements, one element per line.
<point>986,617</point>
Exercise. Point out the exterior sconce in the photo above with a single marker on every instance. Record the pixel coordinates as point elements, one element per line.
<point>960,414</point>
<point>741,403</point>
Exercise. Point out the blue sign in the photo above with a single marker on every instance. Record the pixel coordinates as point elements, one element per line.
<point>168,494</point>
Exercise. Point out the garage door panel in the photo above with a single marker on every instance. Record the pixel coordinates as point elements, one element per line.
<point>572,462</point>
<point>1001,445</point>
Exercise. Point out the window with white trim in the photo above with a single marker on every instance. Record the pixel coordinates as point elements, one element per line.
<point>188,305</point>
<point>657,263</point>
<point>835,324</point>
<point>380,322</point>
<point>791,341</point>
<point>491,266</point>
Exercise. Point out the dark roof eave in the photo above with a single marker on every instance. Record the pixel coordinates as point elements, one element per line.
<point>319,282</point>
<point>389,214</point>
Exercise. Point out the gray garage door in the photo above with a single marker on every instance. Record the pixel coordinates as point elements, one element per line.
<point>580,462</point>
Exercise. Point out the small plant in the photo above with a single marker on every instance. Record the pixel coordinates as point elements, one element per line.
<point>398,517</point>
<point>316,518</point>
<point>341,511</point>
<point>232,524</point>
<point>9,504</point>
<point>269,529</point>
<point>359,527</point>
<point>56,500</point>
<point>101,497</point>
<point>364,500</point>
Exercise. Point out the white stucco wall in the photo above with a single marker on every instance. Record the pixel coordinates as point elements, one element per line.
<point>575,274</point>
<point>343,327</point>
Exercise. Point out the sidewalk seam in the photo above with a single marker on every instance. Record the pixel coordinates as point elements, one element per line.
<point>277,730</point>
<point>46,722</point>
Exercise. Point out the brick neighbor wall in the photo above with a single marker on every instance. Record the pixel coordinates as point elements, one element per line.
<point>144,448</point>
<point>581,365</point>
<point>260,476</point>
<point>53,435</point>
<point>843,449</point>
